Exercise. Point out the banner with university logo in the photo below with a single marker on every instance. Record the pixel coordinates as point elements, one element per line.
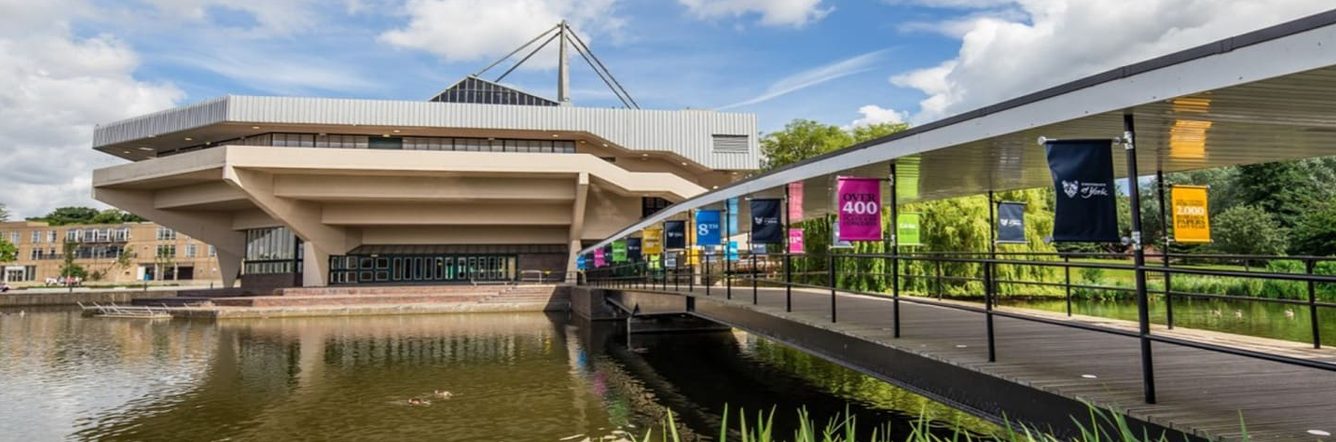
<point>652,241</point>
<point>633,249</point>
<point>619,250</point>
<point>1192,219</point>
<point>1083,177</point>
<point>675,235</point>
<point>765,225</point>
<point>707,228</point>
<point>796,240</point>
<point>859,209</point>
<point>598,258</point>
<point>907,230</point>
<point>1010,222</point>
<point>795,201</point>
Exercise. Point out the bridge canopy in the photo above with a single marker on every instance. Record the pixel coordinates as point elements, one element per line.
<point>1267,95</point>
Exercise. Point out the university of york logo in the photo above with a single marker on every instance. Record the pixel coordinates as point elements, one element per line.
<point>1070,188</point>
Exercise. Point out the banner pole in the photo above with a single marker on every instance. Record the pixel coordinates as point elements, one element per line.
<point>894,245</point>
<point>788,256</point>
<point>728,263</point>
<point>1164,250</point>
<point>1139,256</point>
<point>988,295</point>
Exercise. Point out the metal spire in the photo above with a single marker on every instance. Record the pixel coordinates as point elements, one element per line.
<point>564,35</point>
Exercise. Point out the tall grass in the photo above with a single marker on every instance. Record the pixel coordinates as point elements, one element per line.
<point>1100,426</point>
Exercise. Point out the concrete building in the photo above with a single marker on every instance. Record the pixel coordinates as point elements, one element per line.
<point>482,182</point>
<point>110,253</point>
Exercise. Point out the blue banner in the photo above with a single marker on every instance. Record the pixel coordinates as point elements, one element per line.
<point>674,235</point>
<point>1010,222</point>
<point>732,253</point>
<point>707,228</point>
<point>732,216</point>
<point>580,262</point>
<point>633,249</point>
<point>765,225</point>
<point>1082,171</point>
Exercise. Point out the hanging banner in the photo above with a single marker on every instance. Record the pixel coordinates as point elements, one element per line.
<point>653,262</point>
<point>733,213</point>
<point>1010,223</point>
<point>598,258</point>
<point>1192,220</point>
<point>619,250</point>
<point>675,235</point>
<point>580,262</point>
<point>1083,177</point>
<point>859,209</point>
<point>795,201</point>
<point>633,250</point>
<point>732,253</point>
<point>652,241</point>
<point>907,230</point>
<point>707,228</point>
<point>796,241</point>
<point>765,225</point>
<point>837,243</point>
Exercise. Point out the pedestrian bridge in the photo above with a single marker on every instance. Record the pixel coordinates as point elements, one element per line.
<point>1047,366</point>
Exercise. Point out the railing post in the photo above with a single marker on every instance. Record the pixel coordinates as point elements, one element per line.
<point>1312,304</point>
<point>1164,251</point>
<point>988,308</point>
<point>1168,293</point>
<point>708,282</point>
<point>894,244</point>
<point>788,281</point>
<point>1139,257</point>
<point>830,278</point>
<point>728,273</point>
<point>940,287</point>
<point>691,277</point>
<point>1067,269</point>
<point>755,297</point>
<point>677,273</point>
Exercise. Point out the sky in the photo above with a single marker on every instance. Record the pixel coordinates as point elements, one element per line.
<point>68,65</point>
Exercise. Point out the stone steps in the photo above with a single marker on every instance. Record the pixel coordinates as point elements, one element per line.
<point>334,300</point>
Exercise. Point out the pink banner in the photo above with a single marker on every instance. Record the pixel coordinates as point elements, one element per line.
<point>598,257</point>
<point>795,201</point>
<point>796,241</point>
<point>859,209</point>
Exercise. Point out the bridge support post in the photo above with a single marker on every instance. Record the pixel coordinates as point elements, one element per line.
<point>755,297</point>
<point>1311,265</point>
<point>1139,257</point>
<point>894,245</point>
<point>830,277</point>
<point>1164,251</point>
<point>989,291</point>
<point>708,282</point>
<point>788,257</point>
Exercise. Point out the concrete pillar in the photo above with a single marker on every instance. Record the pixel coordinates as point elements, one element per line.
<point>315,265</point>
<point>229,267</point>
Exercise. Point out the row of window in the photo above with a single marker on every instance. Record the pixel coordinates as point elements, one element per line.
<point>394,143</point>
<point>112,252</point>
<point>87,235</point>
<point>366,269</point>
<point>270,251</point>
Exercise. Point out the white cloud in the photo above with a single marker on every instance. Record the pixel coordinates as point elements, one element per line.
<point>57,87</point>
<point>473,30</point>
<point>813,77</point>
<point>1055,41</point>
<point>795,13</point>
<point>270,17</point>
<point>873,114</point>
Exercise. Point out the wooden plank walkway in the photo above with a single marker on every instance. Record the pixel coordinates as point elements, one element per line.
<point>1204,391</point>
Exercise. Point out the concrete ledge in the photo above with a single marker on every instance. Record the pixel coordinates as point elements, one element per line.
<point>13,299</point>
<point>366,310</point>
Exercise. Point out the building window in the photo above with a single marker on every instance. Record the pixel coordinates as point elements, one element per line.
<point>36,254</point>
<point>14,237</point>
<point>650,205</point>
<point>72,235</point>
<point>36,236</point>
<point>391,143</point>
<point>166,234</point>
<point>166,251</point>
<point>269,251</point>
<point>51,236</point>
<point>121,234</point>
<point>213,251</point>
<point>190,250</point>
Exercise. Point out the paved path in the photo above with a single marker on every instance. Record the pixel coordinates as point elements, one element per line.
<point>1198,389</point>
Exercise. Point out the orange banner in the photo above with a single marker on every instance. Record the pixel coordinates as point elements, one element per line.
<point>1192,219</point>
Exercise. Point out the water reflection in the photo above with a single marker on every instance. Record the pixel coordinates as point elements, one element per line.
<point>514,377</point>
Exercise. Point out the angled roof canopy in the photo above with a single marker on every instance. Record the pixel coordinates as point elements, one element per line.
<point>478,91</point>
<point>1262,96</point>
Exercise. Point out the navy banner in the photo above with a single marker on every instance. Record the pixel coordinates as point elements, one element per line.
<point>1010,222</point>
<point>674,235</point>
<point>633,249</point>
<point>765,226</point>
<point>1083,176</point>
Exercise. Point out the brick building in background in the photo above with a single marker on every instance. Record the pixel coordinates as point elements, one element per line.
<point>151,253</point>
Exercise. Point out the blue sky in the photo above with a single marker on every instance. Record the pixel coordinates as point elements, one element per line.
<point>72,64</point>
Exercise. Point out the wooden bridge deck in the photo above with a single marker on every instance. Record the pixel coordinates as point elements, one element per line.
<point>1200,392</point>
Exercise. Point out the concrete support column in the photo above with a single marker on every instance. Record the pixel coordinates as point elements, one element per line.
<point>577,224</point>
<point>229,267</point>
<point>315,265</point>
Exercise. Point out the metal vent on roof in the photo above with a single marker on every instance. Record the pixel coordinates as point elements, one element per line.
<point>730,143</point>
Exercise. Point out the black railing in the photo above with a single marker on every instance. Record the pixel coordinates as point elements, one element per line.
<point>930,275</point>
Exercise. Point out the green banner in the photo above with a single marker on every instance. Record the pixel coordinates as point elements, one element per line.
<point>907,230</point>
<point>619,250</point>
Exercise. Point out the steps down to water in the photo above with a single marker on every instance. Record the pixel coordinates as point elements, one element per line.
<point>343,296</point>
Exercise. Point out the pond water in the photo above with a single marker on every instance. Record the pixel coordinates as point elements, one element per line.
<point>511,377</point>
<point>1264,319</point>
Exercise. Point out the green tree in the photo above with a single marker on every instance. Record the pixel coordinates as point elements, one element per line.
<point>69,215</point>
<point>800,140</point>
<point>69,268</point>
<point>4,213</point>
<point>8,251</point>
<point>1248,230</point>
<point>874,131</point>
<point>1315,233</point>
<point>1285,189</point>
<point>114,216</point>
